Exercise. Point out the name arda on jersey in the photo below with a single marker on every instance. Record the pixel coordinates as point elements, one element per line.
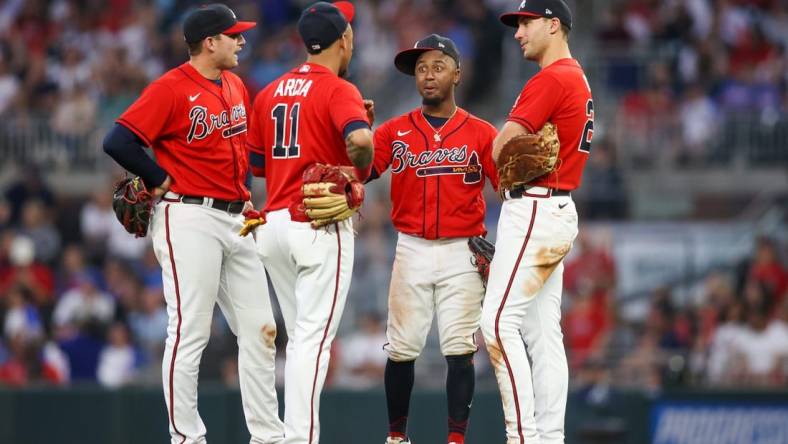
<point>293,87</point>
<point>203,123</point>
<point>428,162</point>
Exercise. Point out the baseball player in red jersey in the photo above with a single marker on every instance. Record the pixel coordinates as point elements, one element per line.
<point>309,115</point>
<point>194,118</point>
<point>439,156</point>
<point>537,226</point>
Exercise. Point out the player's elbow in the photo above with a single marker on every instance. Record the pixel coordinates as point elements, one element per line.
<point>112,142</point>
<point>257,164</point>
<point>360,148</point>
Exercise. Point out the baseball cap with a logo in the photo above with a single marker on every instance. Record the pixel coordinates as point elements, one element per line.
<point>405,61</point>
<point>210,20</point>
<point>540,8</point>
<point>323,23</point>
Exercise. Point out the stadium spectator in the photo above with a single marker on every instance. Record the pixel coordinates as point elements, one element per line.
<point>82,305</point>
<point>30,185</point>
<point>22,319</point>
<point>25,272</point>
<point>117,362</point>
<point>37,224</point>
<point>362,360</point>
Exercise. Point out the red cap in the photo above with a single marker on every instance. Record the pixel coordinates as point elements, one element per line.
<point>239,27</point>
<point>347,9</point>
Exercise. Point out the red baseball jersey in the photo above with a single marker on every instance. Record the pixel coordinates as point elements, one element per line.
<point>437,177</point>
<point>560,94</point>
<point>300,119</point>
<point>197,130</point>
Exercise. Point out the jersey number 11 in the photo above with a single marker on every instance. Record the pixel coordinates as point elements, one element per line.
<point>279,116</point>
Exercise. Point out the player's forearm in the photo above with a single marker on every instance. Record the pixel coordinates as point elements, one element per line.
<point>361,156</point>
<point>509,130</point>
<point>256,164</point>
<point>127,150</point>
<point>360,150</point>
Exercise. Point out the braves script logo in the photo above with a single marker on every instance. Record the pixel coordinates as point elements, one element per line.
<point>203,123</point>
<point>469,168</point>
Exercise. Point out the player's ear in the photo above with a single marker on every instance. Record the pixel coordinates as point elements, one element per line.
<point>457,76</point>
<point>209,43</point>
<point>347,38</point>
<point>555,25</point>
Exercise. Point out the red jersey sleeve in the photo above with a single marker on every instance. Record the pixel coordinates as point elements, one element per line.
<point>149,115</point>
<point>346,106</point>
<point>488,164</point>
<point>536,103</point>
<point>382,141</point>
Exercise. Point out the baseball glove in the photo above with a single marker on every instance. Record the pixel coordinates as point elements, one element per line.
<point>483,252</point>
<point>331,194</point>
<point>253,220</point>
<point>528,156</point>
<point>133,205</point>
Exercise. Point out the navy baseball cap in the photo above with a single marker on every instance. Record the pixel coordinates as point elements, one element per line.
<point>323,23</point>
<point>540,8</point>
<point>405,61</point>
<point>210,20</point>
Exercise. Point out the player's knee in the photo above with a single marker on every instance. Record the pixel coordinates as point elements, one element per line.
<point>458,345</point>
<point>487,325</point>
<point>268,335</point>
<point>402,353</point>
<point>191,345</point>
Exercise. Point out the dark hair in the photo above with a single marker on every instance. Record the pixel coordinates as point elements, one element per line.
<point>195,48</point>
<point>566,31</point>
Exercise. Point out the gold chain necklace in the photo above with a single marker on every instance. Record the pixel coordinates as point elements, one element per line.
<point>437,132</point>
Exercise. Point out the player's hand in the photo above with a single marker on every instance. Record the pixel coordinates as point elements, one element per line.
<point>163,188</point>
<point>369,105</point>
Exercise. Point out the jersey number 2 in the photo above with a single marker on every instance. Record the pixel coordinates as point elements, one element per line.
<point>588,131</point>
<point>279,116</point>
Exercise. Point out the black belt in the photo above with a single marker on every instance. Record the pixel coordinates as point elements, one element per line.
<point>518,192</point>
<point>235,206</point>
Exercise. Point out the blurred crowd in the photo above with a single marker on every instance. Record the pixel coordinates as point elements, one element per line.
<point>79,63</point>
<point>682,82</point>
<point>81,301</point>
<point>694,77</point>
<point>731,332</point>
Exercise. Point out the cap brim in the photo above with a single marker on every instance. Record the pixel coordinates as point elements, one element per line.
<point>512,19</point>
<point>347,9</point>
<point>239,27</point>
<point>405,61</point>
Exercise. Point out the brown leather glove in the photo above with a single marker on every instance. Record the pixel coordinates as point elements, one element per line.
<point>525,157</point>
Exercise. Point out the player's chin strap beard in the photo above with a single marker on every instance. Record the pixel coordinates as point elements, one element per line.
<point>432,101</point>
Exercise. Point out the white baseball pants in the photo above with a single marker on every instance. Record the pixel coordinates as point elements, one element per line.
<point>523,303</point>
<point>205,261</point>
<point>433,276</point>
<point>310,270</point>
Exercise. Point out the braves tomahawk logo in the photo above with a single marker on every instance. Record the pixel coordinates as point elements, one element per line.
<point>425,162</point>
<point>204,123</point>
